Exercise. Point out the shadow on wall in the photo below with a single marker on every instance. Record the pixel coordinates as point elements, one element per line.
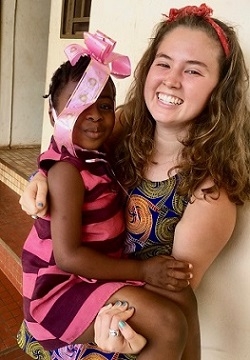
<point>224,298</point>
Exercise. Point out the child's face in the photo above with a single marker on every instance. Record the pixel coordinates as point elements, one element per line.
<point>95,124</point>
<point>182,77</point>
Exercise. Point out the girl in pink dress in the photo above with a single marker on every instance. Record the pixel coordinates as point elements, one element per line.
<point>72,259</point>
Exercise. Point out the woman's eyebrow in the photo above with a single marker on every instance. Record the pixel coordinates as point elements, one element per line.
<point>191,62</point>
<point>163,55</point>
<point>197,62</point>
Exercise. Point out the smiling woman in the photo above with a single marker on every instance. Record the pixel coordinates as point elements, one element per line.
<point>185,77</point>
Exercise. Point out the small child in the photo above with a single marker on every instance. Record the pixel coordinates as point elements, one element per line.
<point>82,104</point>
<point>72,259</point>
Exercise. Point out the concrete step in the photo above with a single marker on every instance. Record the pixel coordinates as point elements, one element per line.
<point>15,167</point>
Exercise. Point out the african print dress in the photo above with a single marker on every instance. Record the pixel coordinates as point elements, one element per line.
<point>153,210</point>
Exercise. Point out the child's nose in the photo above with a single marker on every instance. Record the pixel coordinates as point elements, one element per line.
<point>94,118</point>
<point>94,114</point>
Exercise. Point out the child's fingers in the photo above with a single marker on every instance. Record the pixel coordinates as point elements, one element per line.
<point>178,264</point>
<point>179,275</point>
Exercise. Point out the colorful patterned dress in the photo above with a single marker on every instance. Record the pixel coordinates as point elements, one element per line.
<point>152,213</point>
<point>153,210</point>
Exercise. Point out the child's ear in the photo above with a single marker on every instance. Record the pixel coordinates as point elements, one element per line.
<point>52,121</point>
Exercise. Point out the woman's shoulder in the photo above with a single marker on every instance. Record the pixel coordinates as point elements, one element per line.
<point>205,187</point>
<point>208,195</point>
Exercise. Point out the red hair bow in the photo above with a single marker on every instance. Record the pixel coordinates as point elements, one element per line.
<point>205,12</point>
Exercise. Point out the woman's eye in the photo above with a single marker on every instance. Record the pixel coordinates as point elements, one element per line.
<point>193,72</point>
<point>163,65</point>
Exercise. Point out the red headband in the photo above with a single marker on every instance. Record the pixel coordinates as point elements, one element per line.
<point>203,11</point>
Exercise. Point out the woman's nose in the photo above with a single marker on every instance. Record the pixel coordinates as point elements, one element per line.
<point>173,80</point>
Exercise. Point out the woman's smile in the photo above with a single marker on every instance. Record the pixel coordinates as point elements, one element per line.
<point>169,99</point>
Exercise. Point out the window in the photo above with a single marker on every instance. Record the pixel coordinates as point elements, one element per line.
<point>75,18</point>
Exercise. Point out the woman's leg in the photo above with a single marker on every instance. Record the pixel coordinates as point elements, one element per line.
<point>157,318</point>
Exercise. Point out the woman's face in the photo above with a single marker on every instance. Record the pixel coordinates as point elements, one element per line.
<point>182,77</point>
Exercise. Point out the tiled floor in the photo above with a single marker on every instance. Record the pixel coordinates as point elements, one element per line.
<point>14,223</point>
<point>22,161</point>
<point>10,320</point>
<point>16,165</point>
<point>14,227</point>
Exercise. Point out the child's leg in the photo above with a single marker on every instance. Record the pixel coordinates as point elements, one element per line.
<point>186,300</point>
<point>157,318</point>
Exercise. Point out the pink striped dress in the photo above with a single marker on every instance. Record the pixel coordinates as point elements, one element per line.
<point>59,306</point>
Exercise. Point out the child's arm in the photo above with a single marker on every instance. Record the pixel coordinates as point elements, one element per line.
<point>203,231</point>
<point>66,198</point>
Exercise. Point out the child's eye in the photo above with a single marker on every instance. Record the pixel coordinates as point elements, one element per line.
<point>106,106</point>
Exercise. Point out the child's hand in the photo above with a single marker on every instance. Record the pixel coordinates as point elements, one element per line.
<point>33,199</point>
<point>167,273</point>
<point>113,333</point>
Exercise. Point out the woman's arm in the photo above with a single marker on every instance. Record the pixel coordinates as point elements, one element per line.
<point>34,198</point>
<point>203,231</point>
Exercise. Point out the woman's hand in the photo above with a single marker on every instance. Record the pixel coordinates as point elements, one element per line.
<point>33,200</point>
<point>113,333</point>
<point>166,272</point>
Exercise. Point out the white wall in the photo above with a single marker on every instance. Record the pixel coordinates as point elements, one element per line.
<point>224,298</point>
<point>7,35</point>
<point>24,33</point>
<point>224,295</point>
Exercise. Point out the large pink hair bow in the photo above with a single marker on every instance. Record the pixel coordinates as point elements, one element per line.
<point>103,63</point>
<point>100,47</point>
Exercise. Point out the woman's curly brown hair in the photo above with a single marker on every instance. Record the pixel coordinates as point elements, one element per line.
<point>218,142</point>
